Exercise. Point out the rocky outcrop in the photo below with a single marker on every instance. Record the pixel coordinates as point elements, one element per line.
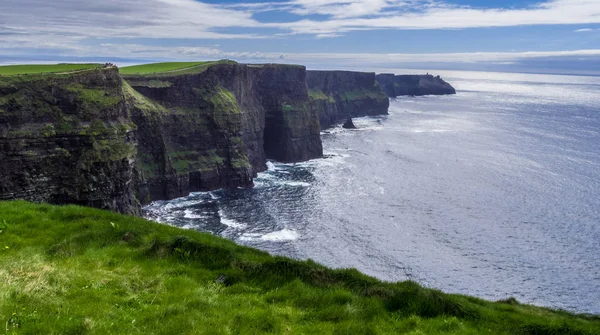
<point>349,124</point>
<point>67,139</point>
<point>413,85</point>
<point>338,95</point>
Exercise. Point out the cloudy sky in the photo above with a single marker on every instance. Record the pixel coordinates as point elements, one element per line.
<point>557,35</point>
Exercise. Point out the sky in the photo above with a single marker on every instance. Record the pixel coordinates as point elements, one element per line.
<point>510,35</point>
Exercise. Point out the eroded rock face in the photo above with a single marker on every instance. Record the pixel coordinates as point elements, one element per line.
<point>337,95</point>
<point>292,129</point>
<point>216,128</point>
<point>190,136</point>
<point>413,85</point>
<point>67,139</point>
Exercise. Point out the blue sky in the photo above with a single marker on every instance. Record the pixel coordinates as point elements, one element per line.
<point>550,35</point>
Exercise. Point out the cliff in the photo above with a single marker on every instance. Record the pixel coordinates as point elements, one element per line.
<point>216,127</point>
<point>413,85</point>
<point>67,138</point>
<point>90,137</point>
<point>338,95</point>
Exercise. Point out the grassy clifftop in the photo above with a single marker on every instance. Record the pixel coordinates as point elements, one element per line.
<point>76,270</point>
<point>169,68</point>
<point>13,70</point>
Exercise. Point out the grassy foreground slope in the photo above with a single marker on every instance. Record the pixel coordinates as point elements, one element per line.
<point>13,70</point>
<point>75,270</point>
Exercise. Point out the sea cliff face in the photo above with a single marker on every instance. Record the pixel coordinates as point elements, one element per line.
<point>95,139</point>
<point>190,136</point>
<point>413,85</point>
<point>67,139</point>
<point>216,128</point>
<point>292,129</point>
<point>339,95</point>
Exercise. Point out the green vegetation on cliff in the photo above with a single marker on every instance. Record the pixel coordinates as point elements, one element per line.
<point>13,70</point>
<point>144,104</point>
<point>320,95</point>
<point>76,270</point>
<point>362,94</point>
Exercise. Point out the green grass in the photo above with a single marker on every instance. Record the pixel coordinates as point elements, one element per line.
<point>13,70</point>
<point>75,270</point>
<point>137,73</point>
<point>160,68</point>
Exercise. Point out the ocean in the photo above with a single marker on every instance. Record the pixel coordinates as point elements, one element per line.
<point>493,192</point>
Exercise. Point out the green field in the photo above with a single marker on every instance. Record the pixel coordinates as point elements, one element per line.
<point>13,70</point>
<point>75,270</point>
<point>157,68</point>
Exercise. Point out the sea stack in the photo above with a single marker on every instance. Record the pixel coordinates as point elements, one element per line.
<point>349,124</point>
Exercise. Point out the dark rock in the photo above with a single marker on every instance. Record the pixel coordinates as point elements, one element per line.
<point>67,139</point>
<point>349,124</point>
<point>413,85</point>
<point>221,279</point>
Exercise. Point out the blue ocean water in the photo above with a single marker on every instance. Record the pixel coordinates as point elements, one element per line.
<point>494,192</point>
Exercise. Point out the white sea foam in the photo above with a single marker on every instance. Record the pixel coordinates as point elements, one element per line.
<point>178,203</point>
<point>276,236</point>
<point>271,166</point>
<point>188,226</point>
<point>229,222</point>
<point>329,159</point>
<point>250,237</point>
<point>232,224</point>
<point>265,176</point>
<point>282,235</point>
<point>189,214</point>
<point>295,183</point>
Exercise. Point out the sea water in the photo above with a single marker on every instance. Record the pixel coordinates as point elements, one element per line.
<point>493,192</point>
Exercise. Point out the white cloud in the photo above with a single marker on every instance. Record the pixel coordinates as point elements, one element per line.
<point>196,20</point>
<point>438,15</point>
<point>341,58</point>
<point>121,18</point>
<point>470,57</point>
<point>341,8</point>
<point>73,27</point>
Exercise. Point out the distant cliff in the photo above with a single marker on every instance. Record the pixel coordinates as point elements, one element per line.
<point>338,95</point>
<point>413,85</point>
<point>90,137</point>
